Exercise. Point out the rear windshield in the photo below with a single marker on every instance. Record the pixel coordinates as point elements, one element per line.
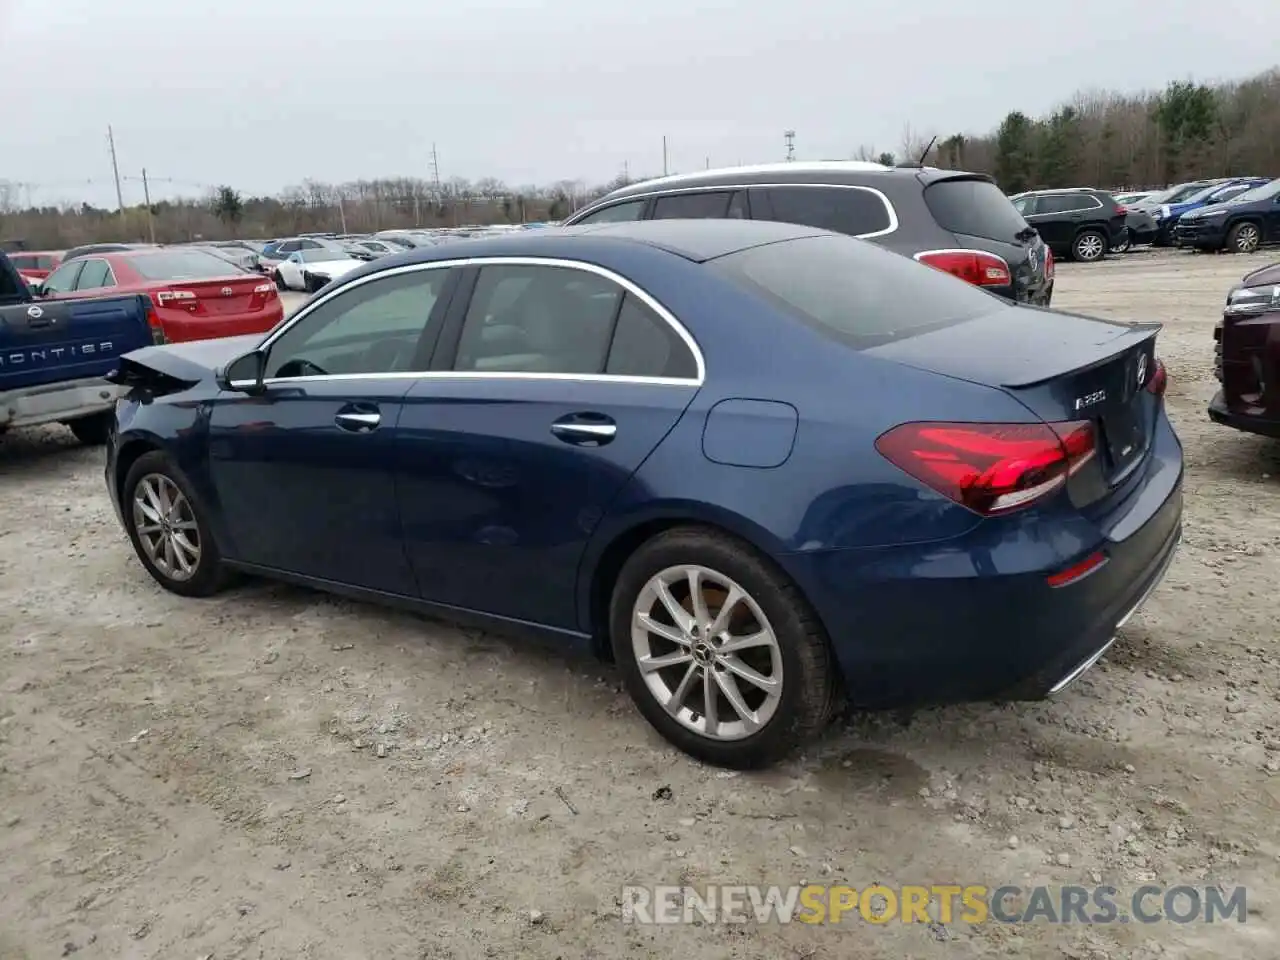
<point>853,291</point>
<point>976,208</point>
<point>182,265</point>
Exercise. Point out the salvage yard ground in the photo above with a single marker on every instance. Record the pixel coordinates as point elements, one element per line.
<point>278,774</point>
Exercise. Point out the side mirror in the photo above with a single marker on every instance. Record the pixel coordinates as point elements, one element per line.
<point>244,374</point>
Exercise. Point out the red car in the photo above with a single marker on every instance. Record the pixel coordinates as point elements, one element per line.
<point>36,264</point>
<point>194,295</point>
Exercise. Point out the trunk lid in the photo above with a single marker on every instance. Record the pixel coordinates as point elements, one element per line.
<point>218,296</point>
<point>1062,367</point>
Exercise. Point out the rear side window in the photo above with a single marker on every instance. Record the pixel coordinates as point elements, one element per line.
<point>1066,202</point>
<point>182,265</point>
<point>856,293</point>
<point>24,261</point>
<point>850,210</point>
<point>645,345</point>
<point>977,208</point>
<point>94,275</point>
<point>693,206</point>
<point>618,213</point>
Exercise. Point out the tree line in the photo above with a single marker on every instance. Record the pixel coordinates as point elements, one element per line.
<point>1186,131</point>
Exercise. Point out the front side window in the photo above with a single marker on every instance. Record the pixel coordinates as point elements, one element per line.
<point>94,275</point>
<point>536,319</point>
<point>853,211</point>
<point>618,213</point>
<point>63,279</point>
<point>375,327</point>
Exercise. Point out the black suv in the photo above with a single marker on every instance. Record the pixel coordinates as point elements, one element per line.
<point>957,222</point>
<point>1080,223</point>
<point>1240,225</point>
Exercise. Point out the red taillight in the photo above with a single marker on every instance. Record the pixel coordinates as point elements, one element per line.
<point>1121,210</point>
<point>153,321</point>
<point>1159,379</point>
<point>975,266</point>
<point>1048,263</point>
<point>990,467</point>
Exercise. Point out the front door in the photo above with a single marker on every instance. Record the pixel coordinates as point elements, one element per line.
<point>562,382</point>
<point>305,473</point>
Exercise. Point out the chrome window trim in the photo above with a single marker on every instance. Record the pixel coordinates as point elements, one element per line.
<point>1097,205</point>
<point>520,261</point>
<point>729,187</point>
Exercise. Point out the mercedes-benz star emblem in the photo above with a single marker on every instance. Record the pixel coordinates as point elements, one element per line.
<point>1142,368</point>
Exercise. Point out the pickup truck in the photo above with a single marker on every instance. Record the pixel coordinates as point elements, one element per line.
<point>54,356</point>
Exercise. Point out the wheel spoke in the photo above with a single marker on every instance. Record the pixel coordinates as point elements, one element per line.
<point>679,615</point>
<point>170,555</point>
<point>650,664</point>
<point>710,709</point>
<point>697,601</point>
<point>729,687</point>
<point>186,526</point>
<point>665,631</point>
<point>682,690</point>
<point>725,613</point>
<point>734,644</point>
<point>148,529</point>
<point>753,677</point>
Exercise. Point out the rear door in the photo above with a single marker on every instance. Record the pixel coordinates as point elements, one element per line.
<point>702,205</point>
<point>557,380</point>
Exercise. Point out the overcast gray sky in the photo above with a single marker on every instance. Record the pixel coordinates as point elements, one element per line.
<point>264,93</point>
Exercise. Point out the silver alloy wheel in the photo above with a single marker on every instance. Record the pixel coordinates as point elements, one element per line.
<point>1247,237</point>
<point>706,652</point>
<point>166,526</point>
<point>1090,247</point>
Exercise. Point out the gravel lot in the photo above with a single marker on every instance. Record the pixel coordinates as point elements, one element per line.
<point>274,773</point>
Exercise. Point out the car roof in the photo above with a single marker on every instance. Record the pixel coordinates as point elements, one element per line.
<point>696,240</point>
<point>834,172</point>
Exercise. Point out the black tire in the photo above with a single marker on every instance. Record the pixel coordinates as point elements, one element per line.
<point>1125,244</point>
<point>210,573</point>
<point>1089,246</point>
<point>279,281</point>
<point>93,430</point>
<point>810,682</point>
<point>1245,237</point>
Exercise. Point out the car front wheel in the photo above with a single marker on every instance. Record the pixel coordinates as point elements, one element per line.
<point>168,528</point>
<point>719,650</point>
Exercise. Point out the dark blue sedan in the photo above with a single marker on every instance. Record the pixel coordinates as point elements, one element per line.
<point>759,465</point>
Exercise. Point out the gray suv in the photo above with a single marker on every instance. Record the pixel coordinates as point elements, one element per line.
<point>958,222</point>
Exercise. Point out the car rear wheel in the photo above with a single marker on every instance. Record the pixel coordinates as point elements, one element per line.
<point>1089,245</point>
<point>168,528</point>
<point>279,281</point>
<point>92,431</point>
<point>1244,238</point>
<point>719,650</point>
<point>1126,242</point>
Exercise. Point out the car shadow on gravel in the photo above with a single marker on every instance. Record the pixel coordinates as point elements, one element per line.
<point>24,452</point>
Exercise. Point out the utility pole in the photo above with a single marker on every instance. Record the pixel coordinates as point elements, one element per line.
<point>664,156</point>
<point>790,137</point>
<point>417,207</point>
<point>146,196</point>
<point>435,176</point>
<point>115,168</point>
<point>342,213</point>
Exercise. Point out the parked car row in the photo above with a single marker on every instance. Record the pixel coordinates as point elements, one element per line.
<point>1236,214</point>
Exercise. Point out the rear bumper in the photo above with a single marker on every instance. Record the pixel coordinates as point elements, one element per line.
<point>974,618</point>
<point>56,402</point>
<point>1259,423</point>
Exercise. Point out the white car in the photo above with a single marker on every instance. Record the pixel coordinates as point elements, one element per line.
<point>309,270</point>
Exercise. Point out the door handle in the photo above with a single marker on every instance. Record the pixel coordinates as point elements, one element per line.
<point>585,429</point>
<point>358,422</point>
